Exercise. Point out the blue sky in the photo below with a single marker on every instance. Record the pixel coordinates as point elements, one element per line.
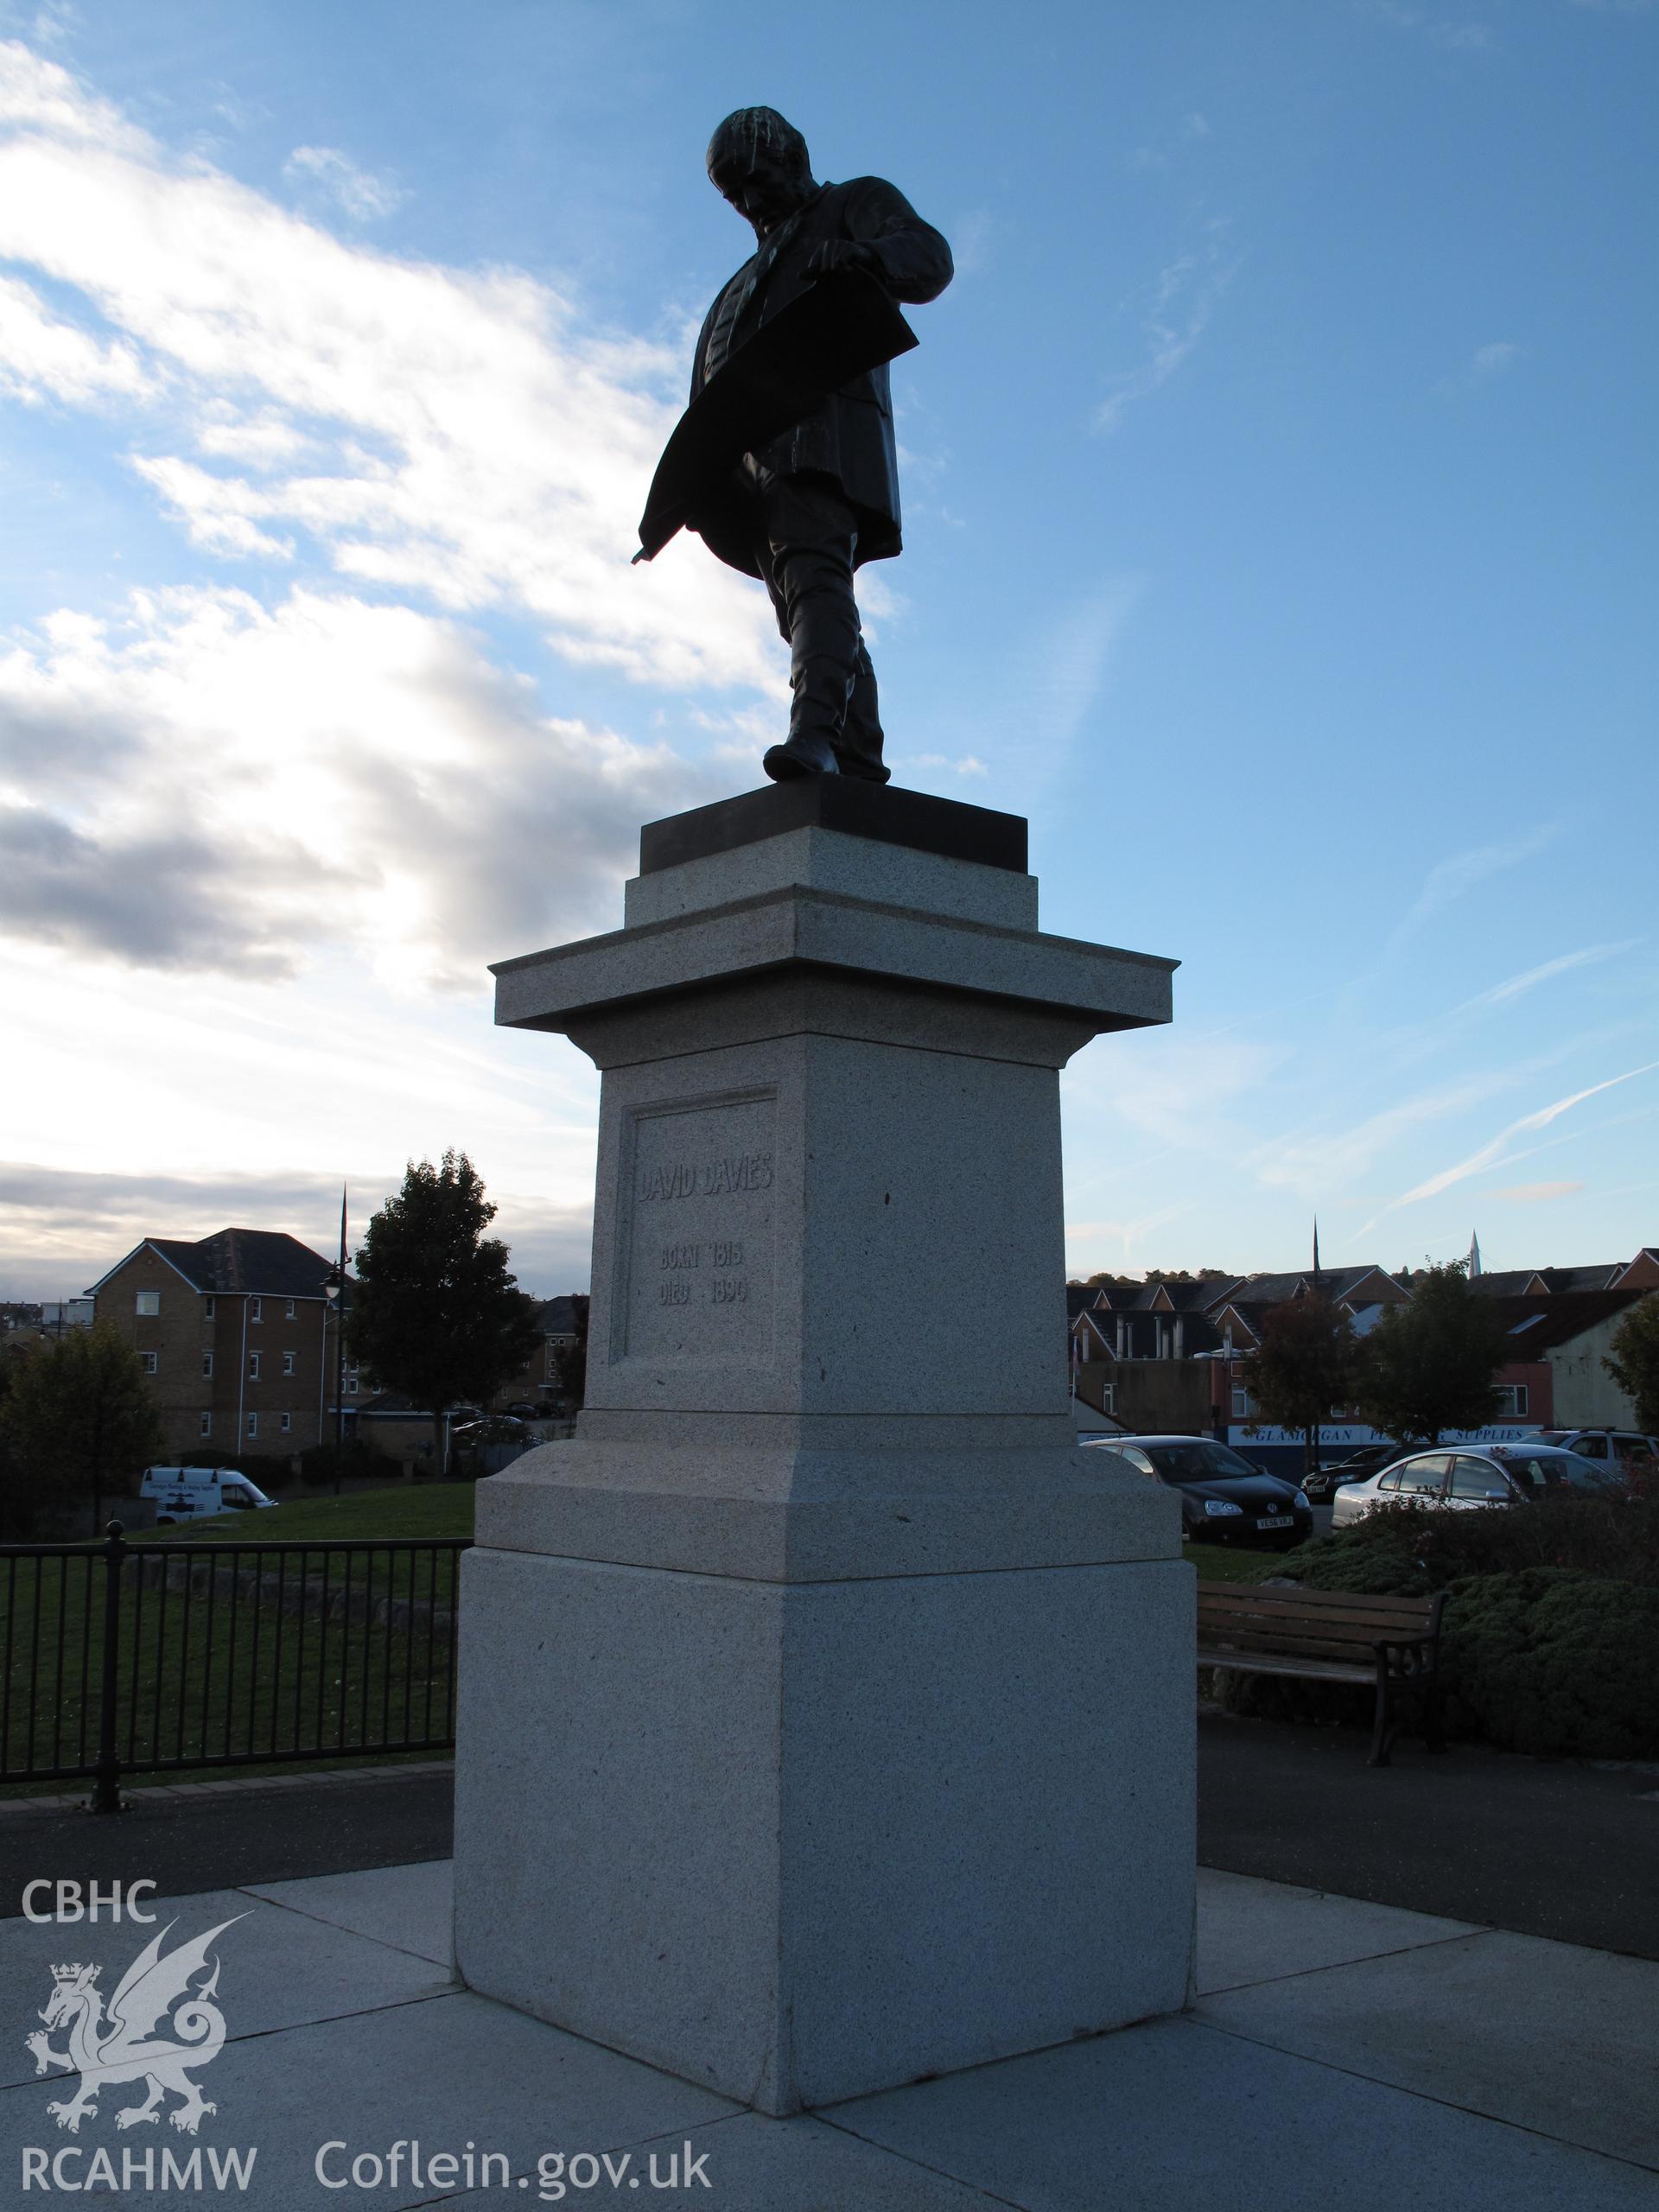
<point>1279,478</point>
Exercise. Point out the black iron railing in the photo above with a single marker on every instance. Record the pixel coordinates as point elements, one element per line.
<point>146,1658</point>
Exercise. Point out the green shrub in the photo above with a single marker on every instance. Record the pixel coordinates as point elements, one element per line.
<point>1410,1551</point>
<point>1549,1660</point>
<point>1555,1662</point>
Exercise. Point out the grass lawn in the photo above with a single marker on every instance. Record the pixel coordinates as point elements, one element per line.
<point>279,1654</point>
<point>1226,1563</point>
<point>429,1510</point>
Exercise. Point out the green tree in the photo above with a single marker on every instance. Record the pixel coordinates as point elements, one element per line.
<point>1633,1359</point>
<point>1306,1365</point>
<point>79,1421</point>
<point>434,1312</point>
<point>1428,1363</point>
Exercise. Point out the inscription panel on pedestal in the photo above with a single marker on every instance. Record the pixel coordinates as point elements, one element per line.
<point>698,1231</point>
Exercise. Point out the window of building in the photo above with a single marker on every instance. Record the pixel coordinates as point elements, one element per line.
<point>286,1423</point>
<point>206,1424</point>
<point>149,1302</point>
<point>206,1309</point>
<point>288,1363</point>
<point>1243,1403</point>
<point>291,1310</point>
<point>253,1367</point>
<point>256,1309</point>
<point>1108,1398</point>
<point>207,1366</point>
<point>253,1424</point>
<point>351,1384</point>
<point>1512,1401</point>
<point>147,1361</point>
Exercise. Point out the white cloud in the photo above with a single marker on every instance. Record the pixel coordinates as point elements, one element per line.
<point>1452,878</point>
<point>212,784</point>
<point>43,357</point>
<point>1495,1152</point>
<point>363,195</point>
<point>1516,986</point>
<point>1184,299</point>
<point>1326,1165</point>
<point>1534,1193</point>
<point>1491,360</point>
<point>458,434</point>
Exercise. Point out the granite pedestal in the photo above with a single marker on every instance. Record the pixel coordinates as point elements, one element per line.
<point>826,1712</point>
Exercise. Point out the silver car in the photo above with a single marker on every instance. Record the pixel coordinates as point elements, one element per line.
<point>1494,1474</point>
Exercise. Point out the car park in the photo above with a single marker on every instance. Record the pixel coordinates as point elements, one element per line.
<point>197,1493</point>
<point>1606,1446</point>
<point>1464,1477</point>
<point>1225,1498</point>
<point>1324,1481</point>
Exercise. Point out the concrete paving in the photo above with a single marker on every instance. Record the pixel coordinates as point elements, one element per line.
<point>1555,1848</point>
<point>1344,2054</point>
<point>407,1907</point>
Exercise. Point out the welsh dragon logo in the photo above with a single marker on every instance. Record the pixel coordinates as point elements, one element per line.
<point>121,2045</point>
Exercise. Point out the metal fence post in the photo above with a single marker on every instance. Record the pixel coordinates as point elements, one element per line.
<point>107,1789</point>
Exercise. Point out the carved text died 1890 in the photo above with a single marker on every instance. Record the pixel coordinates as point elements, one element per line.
<point>699,1236</point>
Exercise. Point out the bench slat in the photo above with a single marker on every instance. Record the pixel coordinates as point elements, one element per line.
<point>1288,1593</point>
<point>1233,1597</point>
<point>1240,1662</point>
<point>1300,1647</point>
<point>1341,1631</point>
<point>1316,1624</point>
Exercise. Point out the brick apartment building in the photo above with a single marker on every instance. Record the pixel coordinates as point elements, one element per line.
<point>237,1335</point>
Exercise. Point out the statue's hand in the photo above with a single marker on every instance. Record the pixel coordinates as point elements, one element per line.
<point>839,253</point>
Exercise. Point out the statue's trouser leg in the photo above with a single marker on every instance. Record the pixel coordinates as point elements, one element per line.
<point>812,534</point>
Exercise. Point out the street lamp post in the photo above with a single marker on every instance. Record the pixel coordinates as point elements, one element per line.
<point>333,1289</point>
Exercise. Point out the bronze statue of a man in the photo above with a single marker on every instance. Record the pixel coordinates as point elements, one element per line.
<point>810,503</point>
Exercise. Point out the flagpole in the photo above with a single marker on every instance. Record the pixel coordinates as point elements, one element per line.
<point>339,1349</point>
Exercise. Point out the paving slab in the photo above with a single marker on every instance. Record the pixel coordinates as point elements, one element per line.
<point>451,2071</point>
<point>1251,1930</point>
<point>750,2164</point>
<point>276,1969</point>
<point>410,1908</point>
<point>1543,2035</point>
<point>1174,2115</point>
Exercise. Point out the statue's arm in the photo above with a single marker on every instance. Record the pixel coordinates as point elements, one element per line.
<point>909,256</point>
<point>702,345</point>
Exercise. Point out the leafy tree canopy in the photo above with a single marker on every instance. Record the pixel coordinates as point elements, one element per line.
<point>1634,1359</point>
<point>1428,1366</point>
<point>434,1312</point>
<point>79,1421</point>
<point>1306,1366</point>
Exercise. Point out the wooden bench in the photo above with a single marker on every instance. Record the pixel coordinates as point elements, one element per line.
<point>1328,1636</point>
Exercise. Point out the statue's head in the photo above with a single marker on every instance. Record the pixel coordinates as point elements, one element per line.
<point>760,163</point>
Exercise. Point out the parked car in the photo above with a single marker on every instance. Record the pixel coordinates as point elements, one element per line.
<point>495,1428</point>
<point>194,1493</point>
<point>1496,1474</point>
<point>1604,1445</point>
<point>1324,1481</point>
<point>1225,1498</point>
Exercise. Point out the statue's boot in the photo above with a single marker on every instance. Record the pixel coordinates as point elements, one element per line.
<point>805,756</point>
<point>858,749</point>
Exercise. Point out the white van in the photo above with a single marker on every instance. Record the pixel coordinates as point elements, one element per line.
<point>193,1493</point>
